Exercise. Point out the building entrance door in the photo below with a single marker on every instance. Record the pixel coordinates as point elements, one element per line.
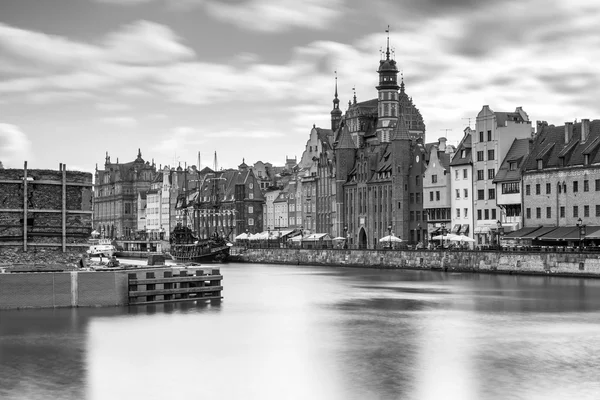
<point>362,239</point>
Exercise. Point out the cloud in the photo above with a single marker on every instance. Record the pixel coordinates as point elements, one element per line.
<point>276,16</point>
<point>112,106</point>
<point>15,146</point>
<point>123,122</point>
<point>179,138</point>
<point>241,133</point>
<point>54,97</point>
<point>124,2</point>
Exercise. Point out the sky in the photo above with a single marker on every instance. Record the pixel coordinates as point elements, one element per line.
<point>249,78</point>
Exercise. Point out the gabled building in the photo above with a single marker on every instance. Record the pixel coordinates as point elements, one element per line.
<point>561,180</point>
<point>461,196</point>
<point>116,191</point>
<point>508,185</point>
<point>495,133</point>
<point>436,189</point>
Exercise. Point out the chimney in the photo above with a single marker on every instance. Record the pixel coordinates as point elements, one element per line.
<point>568,132</point>
<point>442,145</point>
<point>585,129</point>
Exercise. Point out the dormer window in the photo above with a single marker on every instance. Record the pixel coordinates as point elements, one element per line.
<point>540,164</point>
<point>512,166</point>
<point>586,159</point>
<point>463,154</point>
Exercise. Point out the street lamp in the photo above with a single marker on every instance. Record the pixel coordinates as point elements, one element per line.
<point>390,235</point>
<point>268,235</point>
<point>582,232</point>
<point>443,233</point>
<point>500,233</point>
<point>345,237</point>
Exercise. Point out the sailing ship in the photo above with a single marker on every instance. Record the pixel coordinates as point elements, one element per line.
<point>186,245</point>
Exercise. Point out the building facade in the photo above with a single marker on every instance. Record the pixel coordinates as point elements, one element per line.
<point>436,190</point>
<point>461,177</point>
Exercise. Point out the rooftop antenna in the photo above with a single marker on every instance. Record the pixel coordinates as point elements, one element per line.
<point>445,132</point>
<point>468,119</point>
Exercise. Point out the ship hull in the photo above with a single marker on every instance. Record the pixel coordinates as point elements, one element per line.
<point>191,253</point>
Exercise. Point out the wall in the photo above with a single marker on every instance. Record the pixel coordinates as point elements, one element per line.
<point>573,264</point>
<point>63,289</point>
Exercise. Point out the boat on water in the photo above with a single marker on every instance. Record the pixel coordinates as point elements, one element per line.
<point>102,248</point>
<point>186,247</point>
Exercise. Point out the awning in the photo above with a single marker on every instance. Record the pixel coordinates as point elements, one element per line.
<point>482,229</point>
<point>521,233</point>
<point>465,229</point>
<point>539,232</point>
<point>317,237</point>
<point>456,228</point>
<point>592,232</point>
<point>562,233</point>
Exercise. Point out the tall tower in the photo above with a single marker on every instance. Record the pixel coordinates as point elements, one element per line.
<point>336,113</point>
<point>388,95</point>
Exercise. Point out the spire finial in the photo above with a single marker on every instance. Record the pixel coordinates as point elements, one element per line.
<point>387,52</point>
<point>336,93</point>
<point>402,82</point>
<point>354,89</point>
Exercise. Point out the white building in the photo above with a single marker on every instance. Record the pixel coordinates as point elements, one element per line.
<point>461,182</point>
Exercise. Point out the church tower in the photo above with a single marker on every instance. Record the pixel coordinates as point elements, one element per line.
<point>387,105</point>
<point>336,113</point>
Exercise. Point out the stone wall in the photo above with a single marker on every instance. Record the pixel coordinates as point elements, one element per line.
<point>572,264</point>
<point>44,219</point>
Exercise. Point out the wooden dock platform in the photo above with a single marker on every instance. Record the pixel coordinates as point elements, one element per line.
<point>174,285</point>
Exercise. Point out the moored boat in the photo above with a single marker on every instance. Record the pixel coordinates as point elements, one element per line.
<point>186,247</point>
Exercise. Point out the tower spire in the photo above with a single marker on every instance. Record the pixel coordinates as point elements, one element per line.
<point>402,82</point>
<point>387,52</point>
<point>354,89</point>
<point>336,92</point>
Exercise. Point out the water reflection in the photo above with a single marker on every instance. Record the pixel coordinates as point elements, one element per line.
<point>288,332</point>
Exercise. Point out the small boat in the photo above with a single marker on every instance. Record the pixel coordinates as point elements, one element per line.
<point>102,248</point>
<point>186,247</point>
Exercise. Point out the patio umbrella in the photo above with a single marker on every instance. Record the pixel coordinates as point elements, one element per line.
<point>461,238</point>
<point>242,236</point>
<point>95,233</point>
<point>390,238</point>
<point>338,238</point>
<point>449,236</point>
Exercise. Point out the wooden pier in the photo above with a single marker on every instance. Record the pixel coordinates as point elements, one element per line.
<point>175,285</point>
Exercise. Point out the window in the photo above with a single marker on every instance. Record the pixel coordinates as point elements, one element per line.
<point>431,196</point>
<point>411,196</point>
<point>597,185</point>
<point>465,212</point>
<point>418,198</point>
<point>586,185</point>
<point>418,180</point>
<point>586,159</point>
<point>479,174</point>
<point>458,193</point>
<point>548,212</point>
<point>548,188</point>
<point>250,195</point>
<point>512,187</point>
<point>527,190</point>
<point>490,155</point>
<point>437,195</point>
<point>465,173</point>
<point>480,155</point>
<point>538,188</point>
<point>418,215</point>
<point>540,164</point>
<point>456,174</point>
<point>493,213</point>
<point>491,173</point>
<point>481,194</point>
<point>528,213</point>
<point>466,193</point>
<point>434,178</point>
<point>250,185</point>
<point>586,211</point>
<point>538,212</point>
<point>412,215</point>
<point>575,187</point>
<point>597,210</point>
<point>491,194</point>
<point>250,221</point>
<point>486,212</point>
<point>479,214</point>
<point>463,154</point>
<point>481,136</point>
<point>562,211</point>
<point>250,209</point>
<point>575,211</point>
<point>512,165</point>
<point>458,213</point>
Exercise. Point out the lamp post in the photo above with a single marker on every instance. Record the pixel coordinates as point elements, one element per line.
<point>443,233</point>
<point>500,233</point>
<point>345,237</point>
<point>390,235</point>
<point>247,237</point>
<point>268,235</point>
<point>582,232</point>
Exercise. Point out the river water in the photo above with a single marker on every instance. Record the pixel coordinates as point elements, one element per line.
<point>301,332</point>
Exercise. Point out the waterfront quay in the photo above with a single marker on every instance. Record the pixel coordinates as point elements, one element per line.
<point>573,263</point>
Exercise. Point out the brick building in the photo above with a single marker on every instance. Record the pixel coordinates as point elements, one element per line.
<point>436,190</point>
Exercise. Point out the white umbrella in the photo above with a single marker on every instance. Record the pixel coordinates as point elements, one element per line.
<point>390,238</point>
<point>449,236</point>
<point>242,236</point>
<point>95,233</point>
<point>461,238</point>
<point>338,238</point>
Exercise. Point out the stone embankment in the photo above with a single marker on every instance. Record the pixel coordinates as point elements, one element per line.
<point>560,263</point>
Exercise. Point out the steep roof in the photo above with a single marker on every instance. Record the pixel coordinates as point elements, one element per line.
<point>465,144</point>
<point>516,154</point>
<point>549,146</point>
<point>344,139</point>
<point>502,117</point>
